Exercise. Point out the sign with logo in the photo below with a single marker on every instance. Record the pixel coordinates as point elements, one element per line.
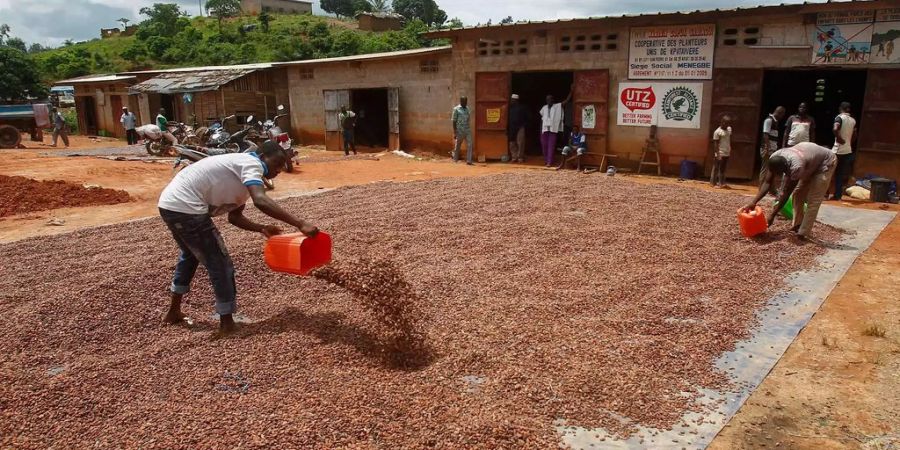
<point>672,52</point>
<point>493,115</point>
<point>589,117</point>
<point>666,105</point>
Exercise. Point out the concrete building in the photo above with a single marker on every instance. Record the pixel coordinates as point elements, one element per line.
<point>276,6</point>
<point>402,99</point>
<point>379,21</point>
<point>742,62</point>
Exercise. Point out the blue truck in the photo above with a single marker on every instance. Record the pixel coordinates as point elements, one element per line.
<point>18,119</point>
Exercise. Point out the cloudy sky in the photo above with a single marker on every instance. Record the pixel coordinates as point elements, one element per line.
<point>53,21</point>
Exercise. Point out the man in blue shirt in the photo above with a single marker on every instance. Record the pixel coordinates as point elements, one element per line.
<point>461,130</point>
<point>577,144</point>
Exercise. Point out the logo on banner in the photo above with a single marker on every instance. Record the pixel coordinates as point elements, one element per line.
<point>680,104</point>
<point>638,98</point>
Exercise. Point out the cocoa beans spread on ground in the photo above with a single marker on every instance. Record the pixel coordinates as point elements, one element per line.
<point>19,195</point>
<point>512,301</point>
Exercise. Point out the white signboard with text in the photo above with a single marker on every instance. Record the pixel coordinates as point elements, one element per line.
<point>666,105</point>
<point>672,52</point>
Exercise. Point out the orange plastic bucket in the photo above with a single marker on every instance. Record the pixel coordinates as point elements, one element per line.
<point>296,253</point>
<point>752,223</point>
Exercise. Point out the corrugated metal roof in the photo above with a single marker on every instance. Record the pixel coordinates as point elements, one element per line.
<point>196,81</point>
<point>255,66</point>
<point>95,79</point>
<point>450,31</point>
<point>385,55</point>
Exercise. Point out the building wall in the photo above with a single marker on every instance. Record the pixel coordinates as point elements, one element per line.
<point>782,42</point>
<point>279,6</point>
<point>107,119</point>
<point>425,97</point>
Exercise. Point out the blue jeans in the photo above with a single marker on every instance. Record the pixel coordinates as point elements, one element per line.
<point>200,243</point>
<point>349,141</point>
<point>463,136</point>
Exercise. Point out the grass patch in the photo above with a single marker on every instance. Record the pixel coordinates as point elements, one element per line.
<point>874,330</point>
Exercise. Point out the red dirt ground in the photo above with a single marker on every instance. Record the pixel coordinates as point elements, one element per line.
<point>21,195</point>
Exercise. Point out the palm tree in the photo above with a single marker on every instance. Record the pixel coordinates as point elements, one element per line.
<point>380,6</point>
<point>124,22</point>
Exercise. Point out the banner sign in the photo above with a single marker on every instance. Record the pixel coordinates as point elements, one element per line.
<point>886,43</point>
<point>666,105</point>
<point>849,43</point>
<point>672,52</point>
<point>843,17</point>
<point>888,15</point>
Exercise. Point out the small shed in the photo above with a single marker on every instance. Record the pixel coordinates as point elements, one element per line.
<point>374,21</point>
<point>99,100</point>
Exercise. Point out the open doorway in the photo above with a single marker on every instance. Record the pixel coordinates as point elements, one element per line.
<point>533,88</point>
<point>822,90</point>
<point>168,102</point>
<point>90,116</point>
<point>371,108</point>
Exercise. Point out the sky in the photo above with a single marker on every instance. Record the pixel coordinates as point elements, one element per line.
<point>50,22</point>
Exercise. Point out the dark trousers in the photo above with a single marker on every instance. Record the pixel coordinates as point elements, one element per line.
<point>842,172</point>
<point>718,173</point>
<point>200,243</point>
<point>131,136</point>
<point>349,141</point>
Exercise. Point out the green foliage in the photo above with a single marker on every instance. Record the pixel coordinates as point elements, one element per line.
<point>344,8</point>
<point>17,44</point>
<point>199,41</point>
<point>425,10</point>
<point>162,19</point>
<point>70,115</point>
<point>264,18</point>
<point>380,6</point>
<point>19,76</point>
<point>222,9</point>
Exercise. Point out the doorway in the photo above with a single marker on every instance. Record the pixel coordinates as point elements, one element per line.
<point>822,90</point>
<point>533,88</point>
<point>372,124</point>
<point>168,102</point>
<point>90,116</point>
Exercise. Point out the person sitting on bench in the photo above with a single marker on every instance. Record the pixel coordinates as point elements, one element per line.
<point>578,144</point>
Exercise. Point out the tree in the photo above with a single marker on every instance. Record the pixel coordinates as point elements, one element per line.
<point>223,8</point>
<point>425,10</point>
<point>454,23</point>
<point>264,18</point>
<point>344,8</point>
<point>19,79</point>
<point>379,6</point>
<point>4,32</point>
<point>162,19</point>
<point>36,48</point>
<point>124,22</point>
<point>17,43</point>
<point>507,20</point>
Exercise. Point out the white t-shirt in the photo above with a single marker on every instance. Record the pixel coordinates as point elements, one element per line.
<point>847,125</point>
<point>552,118</point>
<point>723,137</point>
<point>214,185</point>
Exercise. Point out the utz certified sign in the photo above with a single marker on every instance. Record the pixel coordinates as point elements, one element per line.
<point>672,52</point>
<point>666,105</point>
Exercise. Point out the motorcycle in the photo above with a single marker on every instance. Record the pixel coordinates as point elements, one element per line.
<point>216,135</point>
<point>270,131</point>
<point>159,145</point>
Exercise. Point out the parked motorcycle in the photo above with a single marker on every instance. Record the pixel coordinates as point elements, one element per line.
<point>270,131</point>
<point>159,145</point>
<point>216,135</point>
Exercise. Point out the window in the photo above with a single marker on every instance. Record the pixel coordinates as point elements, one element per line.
<point>497,47</point>
<point>748,36</point>
<point>429,66</point>
<point>306,73</point>
<point>585,42</point>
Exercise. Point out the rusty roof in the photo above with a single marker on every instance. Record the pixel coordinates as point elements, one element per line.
<point>196,81</point>
<point>803,7</point>
<point>384,55</point>
<point>95,79</point>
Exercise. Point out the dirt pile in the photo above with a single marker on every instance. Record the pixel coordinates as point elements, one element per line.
<point>19,195</point>
<point>381,288</point>
<point>545,296</point>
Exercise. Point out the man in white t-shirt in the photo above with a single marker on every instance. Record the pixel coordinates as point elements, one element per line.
<point>552,117</point>
<point>843,129</point>
<point>210,187</point>
<point>721,141</point>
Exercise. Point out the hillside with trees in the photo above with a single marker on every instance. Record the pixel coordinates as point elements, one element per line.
<point>167,38</point>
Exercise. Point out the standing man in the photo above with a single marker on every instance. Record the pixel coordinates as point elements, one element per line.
<point>769,142</point>
<point>844,128</point>
<point>515,129</point>
<point>800,127</point>
<point>59,127</point>
<point>348,125</point>
<point>461,130</point>
<point>163,125</point>
<point>551,124</point>
<point>721,141</point>
<point>208,188</point>
<point>128,122</point>
<point>808,168</point>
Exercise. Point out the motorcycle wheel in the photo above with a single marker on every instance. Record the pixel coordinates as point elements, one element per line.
<point>153,148</point>
<point>191,140</point>
<point>170,151</point>
<point>232,147</point>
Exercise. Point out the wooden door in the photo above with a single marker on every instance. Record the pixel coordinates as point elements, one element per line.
<point>591,99</point>
<point>116,129</point>
<point>334,99</point>
<point>393,118</point>
<point>878,146</point>
<point>491,108</point>
<point>738,93</point>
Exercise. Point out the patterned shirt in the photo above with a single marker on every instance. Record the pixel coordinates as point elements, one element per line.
<point>461,118</point>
